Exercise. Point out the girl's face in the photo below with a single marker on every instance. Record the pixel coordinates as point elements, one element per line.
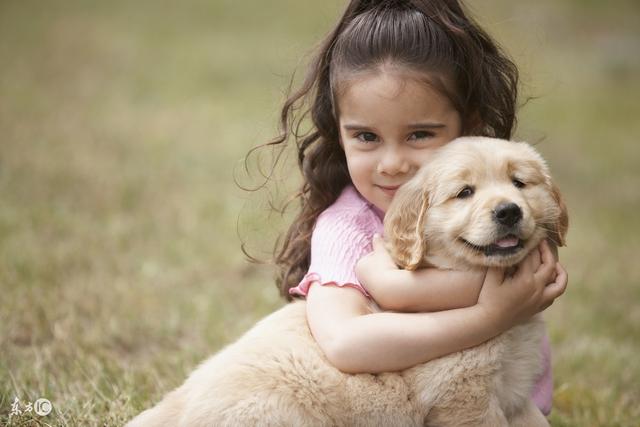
<point>390,125</point>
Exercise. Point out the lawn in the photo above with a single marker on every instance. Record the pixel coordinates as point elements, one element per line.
<point>123,126</point>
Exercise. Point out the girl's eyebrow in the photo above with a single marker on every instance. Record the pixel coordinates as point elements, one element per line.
<point>411,126</point>
<point>355,127</point>
<point>426,125</point>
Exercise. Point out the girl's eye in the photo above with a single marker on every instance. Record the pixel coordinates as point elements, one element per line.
<point>465,192</point>
<point>421,134</point>
<point>518,183</point>
<point>366,137</point>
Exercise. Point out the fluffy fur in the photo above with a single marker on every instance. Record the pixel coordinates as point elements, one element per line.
<point>277,375</point>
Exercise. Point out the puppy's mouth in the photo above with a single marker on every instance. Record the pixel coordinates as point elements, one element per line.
<point>504,246</point>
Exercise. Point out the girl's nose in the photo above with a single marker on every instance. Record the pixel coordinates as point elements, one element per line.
<point>393,162</point>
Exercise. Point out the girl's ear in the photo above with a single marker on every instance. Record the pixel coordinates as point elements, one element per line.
<point>404,225</point>
<point>560,227</point>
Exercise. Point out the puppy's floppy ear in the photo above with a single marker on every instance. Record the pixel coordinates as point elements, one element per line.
<point>560,227</point>
<point>404,225</point>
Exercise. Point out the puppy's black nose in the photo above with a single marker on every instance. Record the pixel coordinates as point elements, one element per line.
<point>507,214</point>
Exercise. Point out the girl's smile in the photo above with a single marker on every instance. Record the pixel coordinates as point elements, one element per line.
<point>390,190</point>
<point>390,125</point>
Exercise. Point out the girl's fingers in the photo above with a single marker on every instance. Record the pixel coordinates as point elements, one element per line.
<point>557,288</point>
<point>535,261</point>
<point>494,276</point>
<point>536,258</point>
<point>546,271</point>
<point>546,256</point>
<point>526,267</point>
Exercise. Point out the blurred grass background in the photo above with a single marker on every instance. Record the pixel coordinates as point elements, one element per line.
<point>123,124</point>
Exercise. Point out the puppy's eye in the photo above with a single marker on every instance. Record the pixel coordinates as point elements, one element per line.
<point>518,183</point>
<point>465,192</point>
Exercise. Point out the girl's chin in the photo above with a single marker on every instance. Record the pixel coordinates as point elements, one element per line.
<point>381,205</point>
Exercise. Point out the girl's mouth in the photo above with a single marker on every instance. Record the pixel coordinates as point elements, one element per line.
<point>389,190</point>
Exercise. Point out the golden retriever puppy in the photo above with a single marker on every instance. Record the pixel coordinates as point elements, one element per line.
<point>276,375</point>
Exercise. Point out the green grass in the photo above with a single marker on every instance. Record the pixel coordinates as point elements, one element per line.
<point>123,124</point>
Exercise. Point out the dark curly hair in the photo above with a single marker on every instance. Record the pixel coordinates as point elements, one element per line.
<point>434,38</point>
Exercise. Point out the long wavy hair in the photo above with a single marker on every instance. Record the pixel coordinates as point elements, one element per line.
<point>435,38</point>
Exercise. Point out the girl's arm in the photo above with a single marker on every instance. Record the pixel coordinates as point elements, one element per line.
<point>424,290</point>
<point>356,340</point>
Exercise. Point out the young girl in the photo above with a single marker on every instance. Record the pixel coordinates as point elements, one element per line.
<point>390,84</point>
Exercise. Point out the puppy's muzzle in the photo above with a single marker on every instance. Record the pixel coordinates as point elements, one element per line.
<point>507,214</point>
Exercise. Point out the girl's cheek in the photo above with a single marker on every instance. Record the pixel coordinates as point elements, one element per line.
<point>359,161</point>
<point>358,152</point>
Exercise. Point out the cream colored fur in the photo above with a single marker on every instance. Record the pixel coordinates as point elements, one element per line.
<point>276,375</point>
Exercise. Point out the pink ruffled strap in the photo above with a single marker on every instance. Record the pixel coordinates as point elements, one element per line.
<point>310,278</point>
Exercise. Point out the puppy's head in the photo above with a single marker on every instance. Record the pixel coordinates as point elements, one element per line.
<point>478,202</point>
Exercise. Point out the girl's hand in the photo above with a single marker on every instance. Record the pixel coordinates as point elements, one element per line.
<point>374,264</point>
<point>538,281</point>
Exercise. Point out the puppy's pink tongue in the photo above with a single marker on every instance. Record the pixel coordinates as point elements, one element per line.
<point>508,242</point>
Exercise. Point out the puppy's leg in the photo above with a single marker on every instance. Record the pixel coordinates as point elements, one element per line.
<point>529,417</point>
